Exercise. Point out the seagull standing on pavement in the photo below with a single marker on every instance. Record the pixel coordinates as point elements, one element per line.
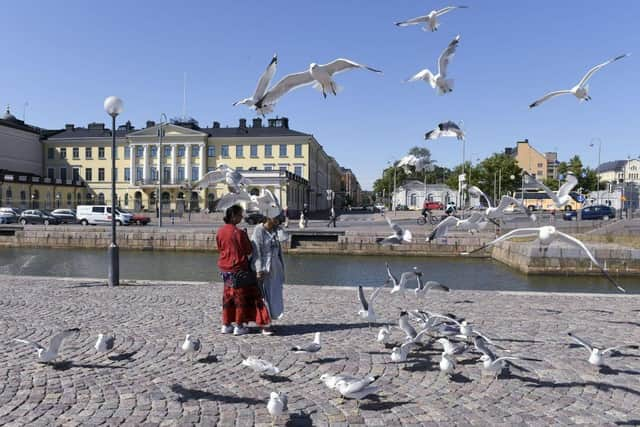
<point>399,354</point>
<point>399,236</point>
<point>261,89</point>
<point>440,81</point>
<point>430,20</point>
<point>452,348</point>
<point>366,311</point>
<point>447,364</point>
<point>277,405</point>
<point>596,355</point>
<point>104,343</point>
<point>313,347</point>
<point>319,75</point>
<point>357,388</point>
<point>191,345</point>
<point>581,90</point>
<point>546,235</point>
<point>46,355</point>
<point>261,366</point>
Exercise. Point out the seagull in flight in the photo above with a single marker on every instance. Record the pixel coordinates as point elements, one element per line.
<point>498,211</point>
<point>400,285</point>
<point>423,288</point>
<point>366,310</point>
<point>430,20</point>
<point>261,366</point>
<point>476,222</point>
<point>546,235</point>
<point>320,75</point>
<point>445,129</point>
<point>46,355</point>
<point>261,89</point>
<point>562,197</point>
<point>418,163</point>
<point>440,81</point>
<point>399,235</point>
<point>596,355</point>
<point>235,181</point>
<point>581,90</point>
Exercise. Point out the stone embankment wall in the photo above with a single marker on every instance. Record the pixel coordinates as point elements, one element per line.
<point>567,260</point>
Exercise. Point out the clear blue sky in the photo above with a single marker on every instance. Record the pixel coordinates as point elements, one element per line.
<point>64,58</point>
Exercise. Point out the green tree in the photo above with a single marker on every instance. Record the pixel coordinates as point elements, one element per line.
<point>493,175</point>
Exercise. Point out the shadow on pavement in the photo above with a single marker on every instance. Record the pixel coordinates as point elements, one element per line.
<point>123,356</point>
<point>186,394</point>
<point>302,329</point>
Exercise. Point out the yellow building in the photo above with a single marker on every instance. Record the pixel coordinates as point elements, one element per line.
<point>292,164</point>
<point>530,159</point>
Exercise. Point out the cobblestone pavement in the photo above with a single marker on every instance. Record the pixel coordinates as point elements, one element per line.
<point>147,381</point>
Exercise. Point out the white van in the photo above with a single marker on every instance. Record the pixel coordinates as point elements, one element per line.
<point>100,214</point>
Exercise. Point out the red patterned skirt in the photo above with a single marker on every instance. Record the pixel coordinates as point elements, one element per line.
<point>243,305</point>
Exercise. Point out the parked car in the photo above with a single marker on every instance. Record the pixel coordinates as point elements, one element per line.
<point>433,206</point>
<point>253,218</point>
<point>136,218</point>
<point>379,207</point>
<point>8,216</point>
<point>100,214</point>
<point>65,216</point>
<point>602,212</point>
<point>36,216</point>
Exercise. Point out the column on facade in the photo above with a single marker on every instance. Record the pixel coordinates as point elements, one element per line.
<point>187,162</point>
<point>160,169</point>
<point>174,161</point>
<point>145,163</point>
<point>132,165</point>
<point>203,160</point>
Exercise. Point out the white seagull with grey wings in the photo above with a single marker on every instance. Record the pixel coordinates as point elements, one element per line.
<point>440,81</point>
<point>445,129</point>
<point>261,89</point>
<point>430,20</point>
<point>581,90</point>
<point>562,197</point>
<point>321,75</point>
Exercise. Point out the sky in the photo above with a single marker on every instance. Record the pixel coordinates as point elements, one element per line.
<point>64,58</point>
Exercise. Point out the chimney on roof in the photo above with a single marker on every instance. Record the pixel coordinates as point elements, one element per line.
<point>96,126</point>
<point>285,122</point>
<point>216,125</point>
<point>243,123</point>
<point>272,123</point>
<point>69,126</point>
<point>257,123</point>
<point>150,123</point>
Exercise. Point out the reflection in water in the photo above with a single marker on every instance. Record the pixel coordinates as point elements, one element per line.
<point>457,273</point>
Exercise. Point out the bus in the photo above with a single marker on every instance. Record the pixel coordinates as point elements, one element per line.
<point>540,201</point>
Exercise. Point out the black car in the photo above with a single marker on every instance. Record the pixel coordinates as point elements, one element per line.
<point>65,216</point>
<point>35,216</point>
<point>602,212</point>
<point>253,218</point>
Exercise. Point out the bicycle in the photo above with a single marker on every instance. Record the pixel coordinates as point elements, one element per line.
<point>433,220</point>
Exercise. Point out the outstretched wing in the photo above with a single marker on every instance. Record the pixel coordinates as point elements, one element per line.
<point>618,347</point>
<point>265,79</point>
<point>449,9</point>
<point>392,278</point>
<point>549,96</point>
<point>447,55</point>
<point>580,341</point>
<point>478,192</point>
<point>518,232</point>
<point>441,229</point>
<point>569,184</point>
<point>287,84</point>
<point>574,241</point>
<point>592,71</point>
<point>395,227</point>
<point>421,75</point>
<point>339,65</point>
<point>413,21</point>
<point>213,177</point>
<point>431,284</point>
<point>362,299</point>
<point>57,339</point>
<point>31,343</point>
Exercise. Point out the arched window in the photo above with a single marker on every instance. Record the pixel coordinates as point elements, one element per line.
<point>23,199</point>
<point>101,198</point>
<point>126,199</point>
<point>9,197</point>
<point>413,199</point>
<point>35,199</point>
<point>47,201</point>
<point>69,200</point>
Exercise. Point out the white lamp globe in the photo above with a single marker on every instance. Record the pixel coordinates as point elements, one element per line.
<point>113,106</point>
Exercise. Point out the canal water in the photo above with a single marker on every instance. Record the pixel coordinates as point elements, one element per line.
<point>341,270</point>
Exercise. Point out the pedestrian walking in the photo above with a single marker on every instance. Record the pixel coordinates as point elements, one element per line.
<point>332,218</point>
<point>241,300</point>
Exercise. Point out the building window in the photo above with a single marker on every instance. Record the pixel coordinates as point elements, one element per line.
<point>195,172</point>
<point>195,151</point>
<point>210,169</point>
<point>127,152</point>
<point>154,173</point>
<point>88,174</point>
<point>298,150</point>
<point>127,174</point>
<point>126,199</point>
<point>75,152</point>
<point>539,173</point>
<point>180,150</point>
<point>101,152</point>
<point>283,167</point>
<point>88,153</point>
<point>211,151</point>
<point>267,150</point>
<point>166,177</point>
<point>539,165</point>
<point>154,151</point>
<point>75,173</point>
<point>167,151</point>
<point>139,173</point>
<point>253,151</point>
<point>224,151</point>
<point>283,150</point>
<point>297,170</point>
<point>239,149</point>
<point>115,154</point>
<point>268,167</point>
<point>100,174</point>
<point>139,151</point>
<point>180,173</point>
<point>51,153</point>
<point>115,174</point>
<point>51,173</point>
<point>63,153</point>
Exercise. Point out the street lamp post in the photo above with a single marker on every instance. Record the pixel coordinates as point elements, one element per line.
<point>161,166</point>
<point>113,107</point>
<point>598,169</point>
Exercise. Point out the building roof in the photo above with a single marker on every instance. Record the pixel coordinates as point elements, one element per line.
<point>251,132</point>
<point>415,184</point>
<point>613,166</point>
<point>9,120</point>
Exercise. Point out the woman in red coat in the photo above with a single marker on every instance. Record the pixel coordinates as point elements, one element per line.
<point>240,304</point>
